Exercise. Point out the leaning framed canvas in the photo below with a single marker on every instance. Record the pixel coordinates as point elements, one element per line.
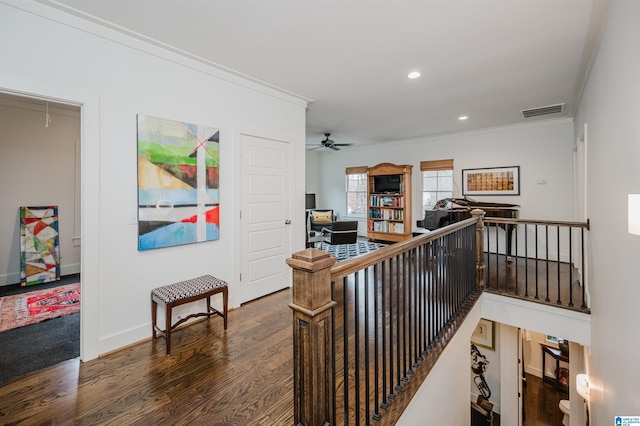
<point>39,245</point>
<point>178,183</point>
<point>491,181</point>
<point>483,334</point>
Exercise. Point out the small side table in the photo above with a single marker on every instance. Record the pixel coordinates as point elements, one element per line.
<point>558,356</point>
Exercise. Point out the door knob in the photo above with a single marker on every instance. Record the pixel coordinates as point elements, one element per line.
<point>287,222</point>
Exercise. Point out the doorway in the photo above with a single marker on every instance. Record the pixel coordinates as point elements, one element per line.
<point>546,377</point>
<point>40,165</point>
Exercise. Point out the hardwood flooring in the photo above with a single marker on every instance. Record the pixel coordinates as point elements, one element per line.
<point>541,401</point>
<point>239,377</point>
<point>242,376</point>
<point>525,278</point>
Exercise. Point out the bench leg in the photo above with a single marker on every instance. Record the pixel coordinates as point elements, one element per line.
<point>154,315</point>
<point>225,302</point>
<point>167,332</point>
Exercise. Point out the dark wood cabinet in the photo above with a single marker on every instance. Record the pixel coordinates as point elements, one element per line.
<point>560,379</point>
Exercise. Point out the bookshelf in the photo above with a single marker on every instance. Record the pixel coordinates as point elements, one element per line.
<point>389,202</point>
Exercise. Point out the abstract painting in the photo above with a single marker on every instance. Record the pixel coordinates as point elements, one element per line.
<point>39,245</point>
<point>178,183</point>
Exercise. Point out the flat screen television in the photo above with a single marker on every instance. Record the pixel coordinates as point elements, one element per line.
<point>387,184</point>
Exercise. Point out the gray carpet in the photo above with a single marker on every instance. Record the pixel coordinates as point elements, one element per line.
<point>36,346</point>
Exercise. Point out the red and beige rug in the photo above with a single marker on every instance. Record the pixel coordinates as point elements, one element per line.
<point>40,305</point>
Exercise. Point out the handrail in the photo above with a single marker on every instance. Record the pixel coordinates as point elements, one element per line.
<point>544,261</point>
<point>584,225</point>
<point>350,266</point>
<point>368,330</point>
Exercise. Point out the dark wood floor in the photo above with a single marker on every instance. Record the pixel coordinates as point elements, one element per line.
<point>535,281</point>
<point>241,377</point>
<point>541,401</point>
<point>207,380</point>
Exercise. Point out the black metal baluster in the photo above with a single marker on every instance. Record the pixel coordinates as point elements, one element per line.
<point>398,345</point>
<point>546,237</point>
<point>391,395</point>
<point>385,390</point>
<point>526,261</point>
<point>356,345</point>
<point>570,266</point>
<point>584,275</point>
<point>405,311</point>
<point>345,349</point>
<point>333,350</point>
<point>515,259</point>
<point>536,263</point>
<point>376,336</point>
<point>559,302</point>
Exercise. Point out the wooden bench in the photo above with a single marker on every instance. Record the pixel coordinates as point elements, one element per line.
<point>185,292</point>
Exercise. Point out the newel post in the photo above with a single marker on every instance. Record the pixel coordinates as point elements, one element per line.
<point>479,214</point>
<point>313,374</point>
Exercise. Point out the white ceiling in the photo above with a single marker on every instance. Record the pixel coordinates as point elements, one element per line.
<point>487,59</point>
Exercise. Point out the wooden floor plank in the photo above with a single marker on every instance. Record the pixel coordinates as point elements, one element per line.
<point>242,376</point>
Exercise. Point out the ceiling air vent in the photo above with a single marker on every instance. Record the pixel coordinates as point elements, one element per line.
<point>549,109</point>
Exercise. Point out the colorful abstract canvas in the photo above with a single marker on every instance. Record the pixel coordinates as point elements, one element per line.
<point>178,183</point>
<point>39,244</point>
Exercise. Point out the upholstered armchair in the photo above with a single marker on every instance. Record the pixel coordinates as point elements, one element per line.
<point>341,232</point>
<point>321,219</point>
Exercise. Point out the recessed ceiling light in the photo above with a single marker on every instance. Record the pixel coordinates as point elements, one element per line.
<point>463,117</point>
<point>413,74</point>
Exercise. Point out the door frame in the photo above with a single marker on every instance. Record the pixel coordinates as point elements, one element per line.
<point>88,303</point>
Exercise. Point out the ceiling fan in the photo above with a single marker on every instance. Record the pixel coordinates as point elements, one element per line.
<point>328,143</point>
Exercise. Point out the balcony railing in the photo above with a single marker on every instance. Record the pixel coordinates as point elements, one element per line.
<point>544,262</point>
<point>368,330</point>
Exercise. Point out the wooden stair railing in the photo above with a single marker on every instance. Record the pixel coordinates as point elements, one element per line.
<point>431,282</point>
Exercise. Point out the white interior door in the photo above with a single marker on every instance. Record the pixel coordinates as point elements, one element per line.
<point>265,217</point>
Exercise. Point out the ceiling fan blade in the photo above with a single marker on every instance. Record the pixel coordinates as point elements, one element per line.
<point>342,144</point>
<point>333,147</point>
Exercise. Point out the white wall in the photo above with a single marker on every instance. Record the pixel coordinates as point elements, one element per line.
<point>38,167</point>
<point>533,354</point>
<point>492,374</point>
<point>313,178</point>
<point>543,150</point>
<point>610,107</point>
<point>114,77</point>
<point>443,399</point>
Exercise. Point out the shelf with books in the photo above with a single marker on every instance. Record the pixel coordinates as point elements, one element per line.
<point>389,202</point>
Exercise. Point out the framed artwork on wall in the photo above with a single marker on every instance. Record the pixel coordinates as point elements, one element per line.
<point>483,334</point>
<point>178,183</point>
<point>491,181</point>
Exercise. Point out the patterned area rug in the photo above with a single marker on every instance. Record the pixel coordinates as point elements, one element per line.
<point>347,251</point>
<point>40,305</point>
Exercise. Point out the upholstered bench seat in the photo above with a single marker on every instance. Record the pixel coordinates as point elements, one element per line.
<point>185,292</point>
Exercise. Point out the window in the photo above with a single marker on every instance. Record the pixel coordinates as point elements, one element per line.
<point>356,191</point>
<point>553,339</point>
<point>437,181</point>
